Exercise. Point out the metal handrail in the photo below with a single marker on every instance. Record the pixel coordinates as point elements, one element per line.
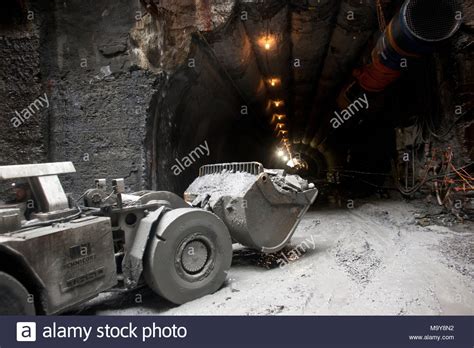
<point>254,168</point>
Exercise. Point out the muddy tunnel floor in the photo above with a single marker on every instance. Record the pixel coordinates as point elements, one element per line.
<point>383,257</point>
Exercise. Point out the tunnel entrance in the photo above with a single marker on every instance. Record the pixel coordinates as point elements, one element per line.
<point>266,86</point>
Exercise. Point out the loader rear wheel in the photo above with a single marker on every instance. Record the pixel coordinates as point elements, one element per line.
<point>14,298</point>
<point>189,256</point>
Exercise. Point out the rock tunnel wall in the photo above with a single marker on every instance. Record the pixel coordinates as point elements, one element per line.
<point>26,140</point>
<point>20,85</point>
<point>99,101</point>
<point>127,97</point>
<point>132,92</point>
<point>76,53</point>
<point>198,108</point>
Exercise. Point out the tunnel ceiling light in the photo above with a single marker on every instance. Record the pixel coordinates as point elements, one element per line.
<point>267,42</point>
<point>274,82</point>
<point>277,118</point>
<point>277,103</point>
<point>280,126</point>
<point>282,133</point>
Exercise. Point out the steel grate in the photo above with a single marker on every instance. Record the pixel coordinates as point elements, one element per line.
<point>254,168</point>
<point>432,20</point>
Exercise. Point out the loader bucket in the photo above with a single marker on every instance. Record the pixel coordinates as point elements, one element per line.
<point>260,207</point>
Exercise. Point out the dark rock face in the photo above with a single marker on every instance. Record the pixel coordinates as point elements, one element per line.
<point>77,53</point>
<point>107,115</point>
<point>99,101</point>
<point>20,85</point>
<point>196,106</point>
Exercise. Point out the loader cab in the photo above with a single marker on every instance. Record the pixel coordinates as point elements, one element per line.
<point>36,191</point>
<point>19,195</point>
<point>41,232</point>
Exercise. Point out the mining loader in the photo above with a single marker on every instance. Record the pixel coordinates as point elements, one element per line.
<point>57,252</point>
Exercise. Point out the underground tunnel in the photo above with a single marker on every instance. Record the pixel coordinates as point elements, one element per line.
<point>272,81</point>
<point>367,99</point>
<point>148,84</point>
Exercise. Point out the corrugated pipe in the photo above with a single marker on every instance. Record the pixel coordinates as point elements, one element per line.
<point>414,31</point>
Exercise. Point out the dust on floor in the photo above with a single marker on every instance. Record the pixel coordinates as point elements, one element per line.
<point>374,259</point>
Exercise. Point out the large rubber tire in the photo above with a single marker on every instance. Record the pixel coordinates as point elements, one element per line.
<point>14,297</point>
<point>189,255</point>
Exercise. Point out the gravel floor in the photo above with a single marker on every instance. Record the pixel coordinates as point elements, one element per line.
<point>373,259</point>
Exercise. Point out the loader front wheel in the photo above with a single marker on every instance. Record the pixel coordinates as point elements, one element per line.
<point>189,255</point>
<point>14,298</point>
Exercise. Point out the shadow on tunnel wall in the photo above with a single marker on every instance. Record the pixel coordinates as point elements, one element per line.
<point>195,119</point>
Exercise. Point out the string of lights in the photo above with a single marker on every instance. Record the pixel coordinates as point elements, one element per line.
<point>268,43</point>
